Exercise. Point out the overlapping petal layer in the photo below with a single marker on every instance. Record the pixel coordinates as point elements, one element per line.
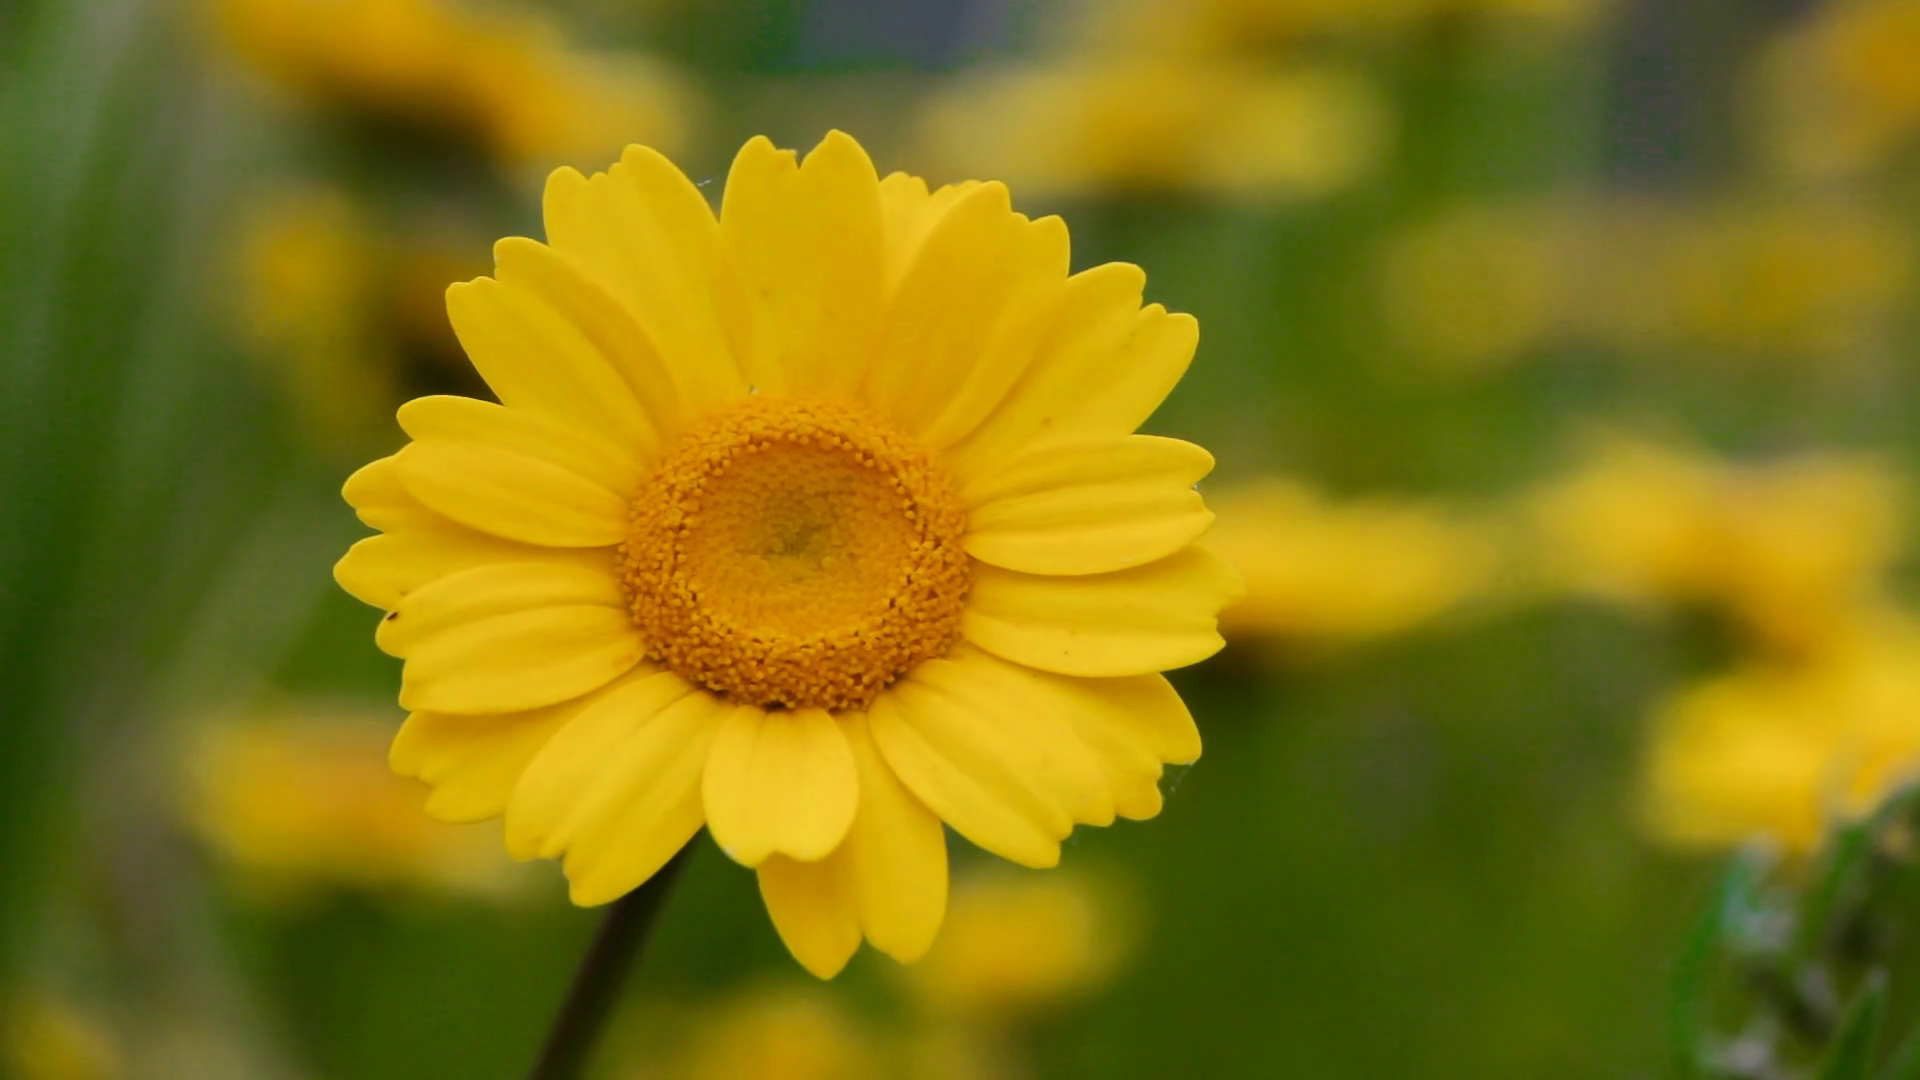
<point>1090,506</point>
<point>1126,622</point>
<point>781,783</point>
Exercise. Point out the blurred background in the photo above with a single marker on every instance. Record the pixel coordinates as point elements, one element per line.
<point>1559,357</point>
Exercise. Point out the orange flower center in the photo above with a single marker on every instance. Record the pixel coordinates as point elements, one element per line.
<point>796,553</point>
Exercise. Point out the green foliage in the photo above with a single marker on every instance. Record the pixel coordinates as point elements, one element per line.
<point>1800,967</point>
<point>1855,1045</point>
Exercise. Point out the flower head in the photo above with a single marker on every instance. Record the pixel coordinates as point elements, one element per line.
<point>499,80</point>
<point>1782,752</point>
<point>778,1033</point>
<point>1156,124</point>
<point>817,523</point>
<point>307,799</point>
<point>339,311</point>
<point>46,1038</point>
<point>1019,944</point>
<point>1841,93</point>
<point>1216,27</point>
<point>1320,571</point>
<point>1798,281</point>
<point>1790,551</point>
<point>1784,280</point>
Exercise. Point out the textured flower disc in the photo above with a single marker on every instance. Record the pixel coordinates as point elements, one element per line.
<point>817,523</point>
<point>796,553</point>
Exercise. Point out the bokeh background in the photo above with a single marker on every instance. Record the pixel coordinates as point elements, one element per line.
<point>1558,355</point>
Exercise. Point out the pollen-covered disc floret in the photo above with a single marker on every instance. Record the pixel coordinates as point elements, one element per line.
<point>796,553</point>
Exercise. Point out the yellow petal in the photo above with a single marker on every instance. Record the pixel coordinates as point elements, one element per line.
<point>563,774</point>
<point>780,782</point>
<point>1016,339</point>
<point>1132,725</point>
<point>975,263</point>
<point>760,186</point>
<point>904,217</point>
<point>534,359</point>
<point>494,589</point>
<point>688,226</point>
<point>1090,506</point>
<point>813,910</point>
<point>963,736</point>
<point>585,302</point>
<point>377,495</point>
<point>987,809</point>
<point>909,213</point>
<point>384,570</point>
<point>444,418</point>
<point>806,243</point>
<point>1129,622</point>
<point>644,806</point>
<point>514,495</point>
<point>521,660</point>
<point>473,762</point>
<point>647,232</point>
<point>895,855</point>
<point>1150,710</point>
<point>1027,729</point>
<point>1104,365</point>
<point>380,498</point>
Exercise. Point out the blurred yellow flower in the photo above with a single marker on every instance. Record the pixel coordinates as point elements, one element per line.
<point>781,1033</point>
<point>43,1038</point>
<point>1102,125</point>
<point>1015,943</point>
<point>1481,286</point>
<point>1782,752</point>
<point>822,524</point>
<point>307,799</point>
<point>1795,280</point>
<point>1340,572</point>
<point>349,319</point>
<point>1841,92</point>
<point>1791,550</point>
<point>1220,27</point>
<point>951,1047</point>
<point>499,79</point>
<point>308,268</point>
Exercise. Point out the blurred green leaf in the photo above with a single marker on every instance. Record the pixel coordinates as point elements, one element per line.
<point>1905,1063</point>
<point>1847,860</point>
<point>1852,1054</point>
<point>1735,902</point>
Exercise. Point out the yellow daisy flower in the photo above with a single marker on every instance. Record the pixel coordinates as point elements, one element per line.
<point>1839,94</point>
<point>817,523</point>
<point>347,318</point>
<point>777,1033</point>
<point>1784,752</point>
<point>1212,28</point>
<point>45,1038</point>
<point>1148,124</point>
<point>499,78</point>
<point>1791,551</point>
<point>1345,572</point>
<point>304,799</point>
<point>1022,945</point>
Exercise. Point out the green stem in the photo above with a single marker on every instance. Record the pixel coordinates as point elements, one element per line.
<point>616,948</point>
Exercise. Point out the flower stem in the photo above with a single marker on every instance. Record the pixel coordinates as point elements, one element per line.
<point>616,948</point>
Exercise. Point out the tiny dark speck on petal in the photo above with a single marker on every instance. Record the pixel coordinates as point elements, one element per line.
<point>392,615</point>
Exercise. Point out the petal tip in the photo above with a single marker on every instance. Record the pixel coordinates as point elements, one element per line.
<point>824,968</point>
